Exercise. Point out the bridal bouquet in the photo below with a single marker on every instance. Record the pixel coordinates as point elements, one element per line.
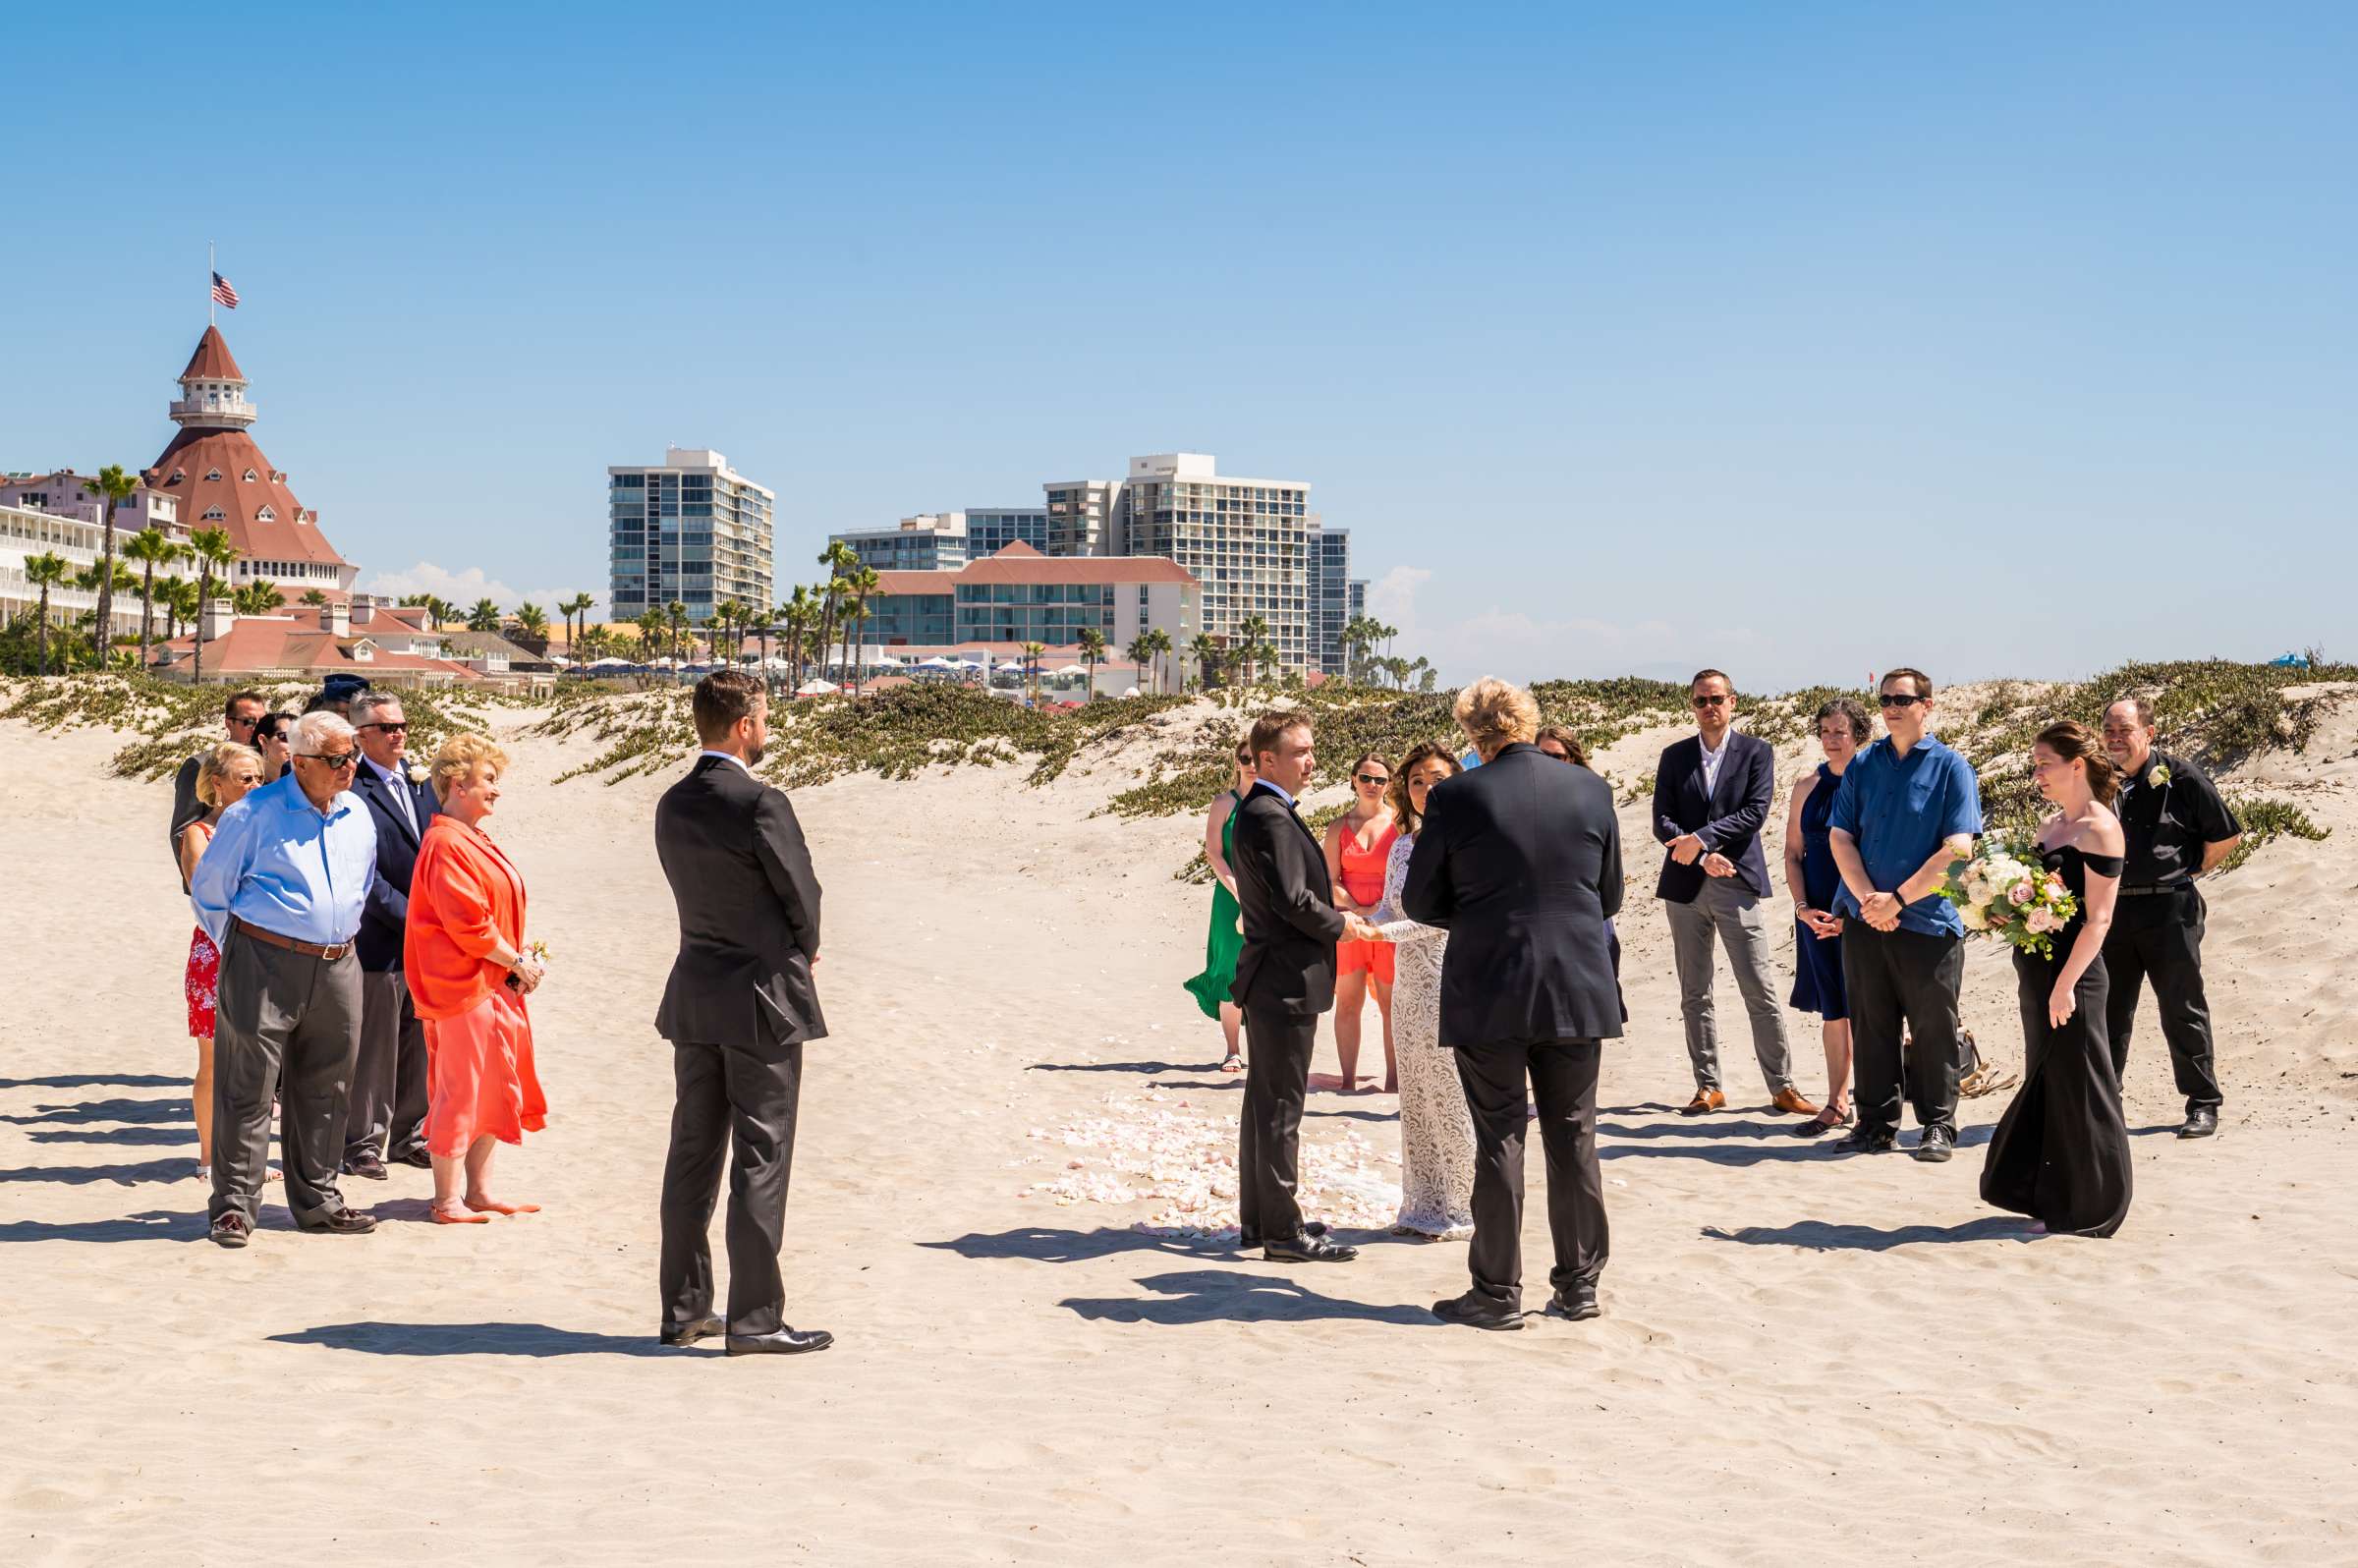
<point>2003,890</point>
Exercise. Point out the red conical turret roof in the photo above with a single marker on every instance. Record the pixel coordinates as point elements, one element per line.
<point>212,362</point>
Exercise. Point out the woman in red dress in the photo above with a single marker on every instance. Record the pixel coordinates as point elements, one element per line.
<point>469,972</point>
<point>1359,846</point>
<point>224,778</point>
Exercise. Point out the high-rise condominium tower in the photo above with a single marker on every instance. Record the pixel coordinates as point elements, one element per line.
<point>690,529</point>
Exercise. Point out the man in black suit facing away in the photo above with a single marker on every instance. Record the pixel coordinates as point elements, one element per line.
<point>1520,861</point>
<point>737,1009</point>
<point>1284,980</point>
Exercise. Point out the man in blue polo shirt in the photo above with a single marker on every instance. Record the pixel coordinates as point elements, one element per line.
<point>1906,809</point>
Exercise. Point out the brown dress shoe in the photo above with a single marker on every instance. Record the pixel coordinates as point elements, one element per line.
<point>1790,1098</point>
<point>1706,1100</point>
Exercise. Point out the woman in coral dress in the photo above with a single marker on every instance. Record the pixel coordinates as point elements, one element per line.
<point>225,775</point>
<point>469,972</point>
<point>1359,846</point>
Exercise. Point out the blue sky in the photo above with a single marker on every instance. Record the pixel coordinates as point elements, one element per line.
<point>1800,340</point>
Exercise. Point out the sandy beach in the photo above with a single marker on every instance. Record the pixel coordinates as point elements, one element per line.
<point>1803,1359</point>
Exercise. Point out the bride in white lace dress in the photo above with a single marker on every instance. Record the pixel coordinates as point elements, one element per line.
<point>1436,1133</point>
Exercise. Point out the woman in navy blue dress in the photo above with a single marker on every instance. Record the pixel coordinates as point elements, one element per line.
<point>1843,729</point>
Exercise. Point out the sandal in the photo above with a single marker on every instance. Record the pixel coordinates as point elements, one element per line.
<point>1233,1063</point>
<point>1817,1126</point>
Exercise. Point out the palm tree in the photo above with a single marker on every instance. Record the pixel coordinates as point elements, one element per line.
<point>841,561</point>
<point>313,597</point>
<point>1205,650</point>
<point>675,616</point>
<point>258,597</point>
<point>151,549</point>
<point>652,630</point>
<point>178,596</point>
<point>114,487</point>
<point>859,586</point>
<point>1158,643</point>
<point>212,549</point>
<point>533,621</point>
<point>46,571</point>
<point>594,644</point>
<point>798,613</point>
<point>485,617</point>
<point>1253,635</point>
<point>1092,649</point>
<point>1031,652</point>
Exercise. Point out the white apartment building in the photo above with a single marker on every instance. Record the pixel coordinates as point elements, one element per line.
<point>27,532</point>
<point>1246,541</point>
<point>689,529</point>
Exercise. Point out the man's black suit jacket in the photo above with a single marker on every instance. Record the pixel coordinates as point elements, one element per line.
<point>741,876</point>
<point>1520,861</point>
<point>388,914</point>
<point>1728,819</point>
<point>1287,896</point>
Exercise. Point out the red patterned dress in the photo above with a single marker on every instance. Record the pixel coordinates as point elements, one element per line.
<point>204,973</point>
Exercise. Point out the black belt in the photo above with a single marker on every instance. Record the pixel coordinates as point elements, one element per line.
<point>2155,889</point>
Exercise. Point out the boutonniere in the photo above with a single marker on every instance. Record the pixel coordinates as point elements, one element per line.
<point>419,774</point>
<point>2158,775</point>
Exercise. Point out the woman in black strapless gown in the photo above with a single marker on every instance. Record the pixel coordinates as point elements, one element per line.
<point>2061,1153</point>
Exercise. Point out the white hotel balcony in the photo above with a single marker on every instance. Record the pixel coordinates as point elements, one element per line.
<point>214,410</point>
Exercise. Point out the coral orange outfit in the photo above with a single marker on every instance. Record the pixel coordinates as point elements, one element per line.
<point>1363,879</point>
<point>466,898</point>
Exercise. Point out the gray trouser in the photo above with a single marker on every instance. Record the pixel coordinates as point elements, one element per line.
<point>387,1114</point>
<point>286,1024</point>
<point>1729,910</point>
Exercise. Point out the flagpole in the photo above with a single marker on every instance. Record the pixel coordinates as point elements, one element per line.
<point>212,315</point>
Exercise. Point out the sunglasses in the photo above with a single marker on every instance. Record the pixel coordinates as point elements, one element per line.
<point>1372,778</point>
<point>243,723</point>
<point>394,728</point>
<point>1897,699</point>
<point>337,762</point>
<point>1711,702</point>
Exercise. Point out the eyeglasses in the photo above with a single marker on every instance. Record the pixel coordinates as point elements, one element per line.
<point>243,723</point>
<point>1370,778</point>
<point>337,762</point>
<point>1897,699</point>
<point>395,727</point>
<point>1712,702</point>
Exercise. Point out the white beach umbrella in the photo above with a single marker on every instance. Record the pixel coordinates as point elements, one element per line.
<point>1012,664</point>
<point>609,664</point>
<point>936,662</point>
<point>815,687</point>
<point>1074,669</point>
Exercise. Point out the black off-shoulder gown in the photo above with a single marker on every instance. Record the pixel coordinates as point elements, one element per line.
<point>2061,1151</point>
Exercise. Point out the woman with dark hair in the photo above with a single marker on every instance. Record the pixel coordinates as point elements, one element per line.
<point>1437,1131</point>
<point>2061,1153</point>
<point>1226,937</point>
<point>272,738</point>
<point>1558,742</point>
<point>1359,846</point>
<point>1843,729</point>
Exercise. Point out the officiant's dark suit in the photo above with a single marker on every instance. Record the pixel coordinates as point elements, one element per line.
<point>1284,980</point>
<point>1520,861</point>
<point>386,1116</point>
<point>738,1007</point>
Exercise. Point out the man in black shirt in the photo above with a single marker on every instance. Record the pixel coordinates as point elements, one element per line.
<point>239,715</point>
<point>2177,829</point>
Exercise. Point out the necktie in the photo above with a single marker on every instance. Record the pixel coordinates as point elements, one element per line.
<point>400,788</point>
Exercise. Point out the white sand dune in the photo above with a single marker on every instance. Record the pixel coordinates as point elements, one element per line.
<point>1803,1359</point>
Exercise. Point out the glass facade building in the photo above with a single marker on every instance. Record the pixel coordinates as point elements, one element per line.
<point>1246,541</point>
<point>906,549</point>
<point>990,530</point>
<point>690,529</point>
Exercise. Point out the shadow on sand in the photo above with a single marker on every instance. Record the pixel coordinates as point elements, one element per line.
<point>152,1170</point>
<point>96,1080</point>
<point>1044,1245</point>
<point>1221,1296</point>
<point>1819,1236</point>
<point>536,1340</point>
<point>153,1225</point>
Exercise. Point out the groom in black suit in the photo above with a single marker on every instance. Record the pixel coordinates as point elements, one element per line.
<point>1520,861</point>
<point>1284,980</point>
<point>737,1009</point>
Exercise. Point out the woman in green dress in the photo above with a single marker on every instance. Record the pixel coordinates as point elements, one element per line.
<point>1227,934</point>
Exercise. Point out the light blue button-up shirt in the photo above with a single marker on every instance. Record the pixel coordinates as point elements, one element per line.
<point>278,862</point>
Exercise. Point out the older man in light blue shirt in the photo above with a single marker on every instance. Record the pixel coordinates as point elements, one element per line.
<point>280,891</point>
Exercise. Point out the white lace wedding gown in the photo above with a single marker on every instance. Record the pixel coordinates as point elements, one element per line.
<point>1437,1135</point>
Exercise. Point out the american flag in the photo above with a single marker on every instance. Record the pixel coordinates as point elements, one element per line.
<point>223,292</point>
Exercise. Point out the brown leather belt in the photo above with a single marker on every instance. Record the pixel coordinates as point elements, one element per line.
<point>268,939</point>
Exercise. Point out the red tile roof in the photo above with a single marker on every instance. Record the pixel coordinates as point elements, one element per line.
<point>256,644</point>
<point>194,453</point>
<point>212,362</point>
<point>893,584</point>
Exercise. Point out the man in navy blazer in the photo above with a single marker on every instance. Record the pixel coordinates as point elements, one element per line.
<point>386,1114</point>
<point>1710,795</point>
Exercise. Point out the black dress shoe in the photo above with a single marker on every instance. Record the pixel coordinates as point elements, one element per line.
<point>1474,1310</point>
<point>343,1222</point>
<point>1576,1302</point>
<point>1307,1248</point>
<point>1935,1145</point>
<point>415,1157</point>
<point>687,1333</point>
<point>365,1165</point>
<point>1868,1141</point>
<point>1246,1240</point>
<point>2200,1123</point>
<point>785,1342</point>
